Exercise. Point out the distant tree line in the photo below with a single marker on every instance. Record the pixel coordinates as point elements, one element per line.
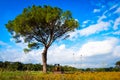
<point>18,66</point>
<point>13,66</point>
<point>109,69</point>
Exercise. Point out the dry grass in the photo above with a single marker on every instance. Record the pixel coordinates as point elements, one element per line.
<point>19,75</point>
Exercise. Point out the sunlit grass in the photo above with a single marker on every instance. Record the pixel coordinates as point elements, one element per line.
<point>32,75</point>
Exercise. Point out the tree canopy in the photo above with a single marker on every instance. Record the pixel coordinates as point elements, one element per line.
<point>41,26</point>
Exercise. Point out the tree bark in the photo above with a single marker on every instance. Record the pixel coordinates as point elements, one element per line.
<point>44,60</point>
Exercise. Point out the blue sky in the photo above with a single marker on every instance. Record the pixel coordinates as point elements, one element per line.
<point>95,44</point>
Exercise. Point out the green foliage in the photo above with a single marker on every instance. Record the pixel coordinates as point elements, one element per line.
<point>33,45</point>
<point>43,25</point>
<point>26,50</point>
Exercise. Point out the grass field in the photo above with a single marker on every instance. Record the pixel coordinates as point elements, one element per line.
<point>27,75</point>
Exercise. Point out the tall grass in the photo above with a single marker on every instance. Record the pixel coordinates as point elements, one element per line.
<point>32,75</point>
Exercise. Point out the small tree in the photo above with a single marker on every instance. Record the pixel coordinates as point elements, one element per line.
<point>41,26</point>
<point>117,64</point>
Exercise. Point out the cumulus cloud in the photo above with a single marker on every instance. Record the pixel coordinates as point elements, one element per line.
<point>60,54</point>
<point>63,55</point>
<point>15,53</point>
<point>98,47</point>
<point>56,54</point>
<point>31,57</point>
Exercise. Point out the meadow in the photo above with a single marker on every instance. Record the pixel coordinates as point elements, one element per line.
<point>37,75</point>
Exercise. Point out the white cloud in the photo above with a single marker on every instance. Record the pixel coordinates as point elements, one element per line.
<point>60,54</point>
<point>85,22</point>
<point>114,6</point>
<point>56,54</point>
<point>21,44</point>
<point>98,47</point>
<point>31,57</point>
<point>9,54</point>
<point>101,18</point>
<point>94,28</point>
<point>116,52</point>
<point>13,54</point>
<point>96,10</point>
<point>2,43</point>
<point>107,13</point>
<point>111,8</point>
<point>116,23</point>
<point>73,35</point>
<point>77,20</point>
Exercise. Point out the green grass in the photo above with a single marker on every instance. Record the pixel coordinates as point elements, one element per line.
<point>36,75</point>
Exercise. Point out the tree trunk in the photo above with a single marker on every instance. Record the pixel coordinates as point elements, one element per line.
<point>44,60</point>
